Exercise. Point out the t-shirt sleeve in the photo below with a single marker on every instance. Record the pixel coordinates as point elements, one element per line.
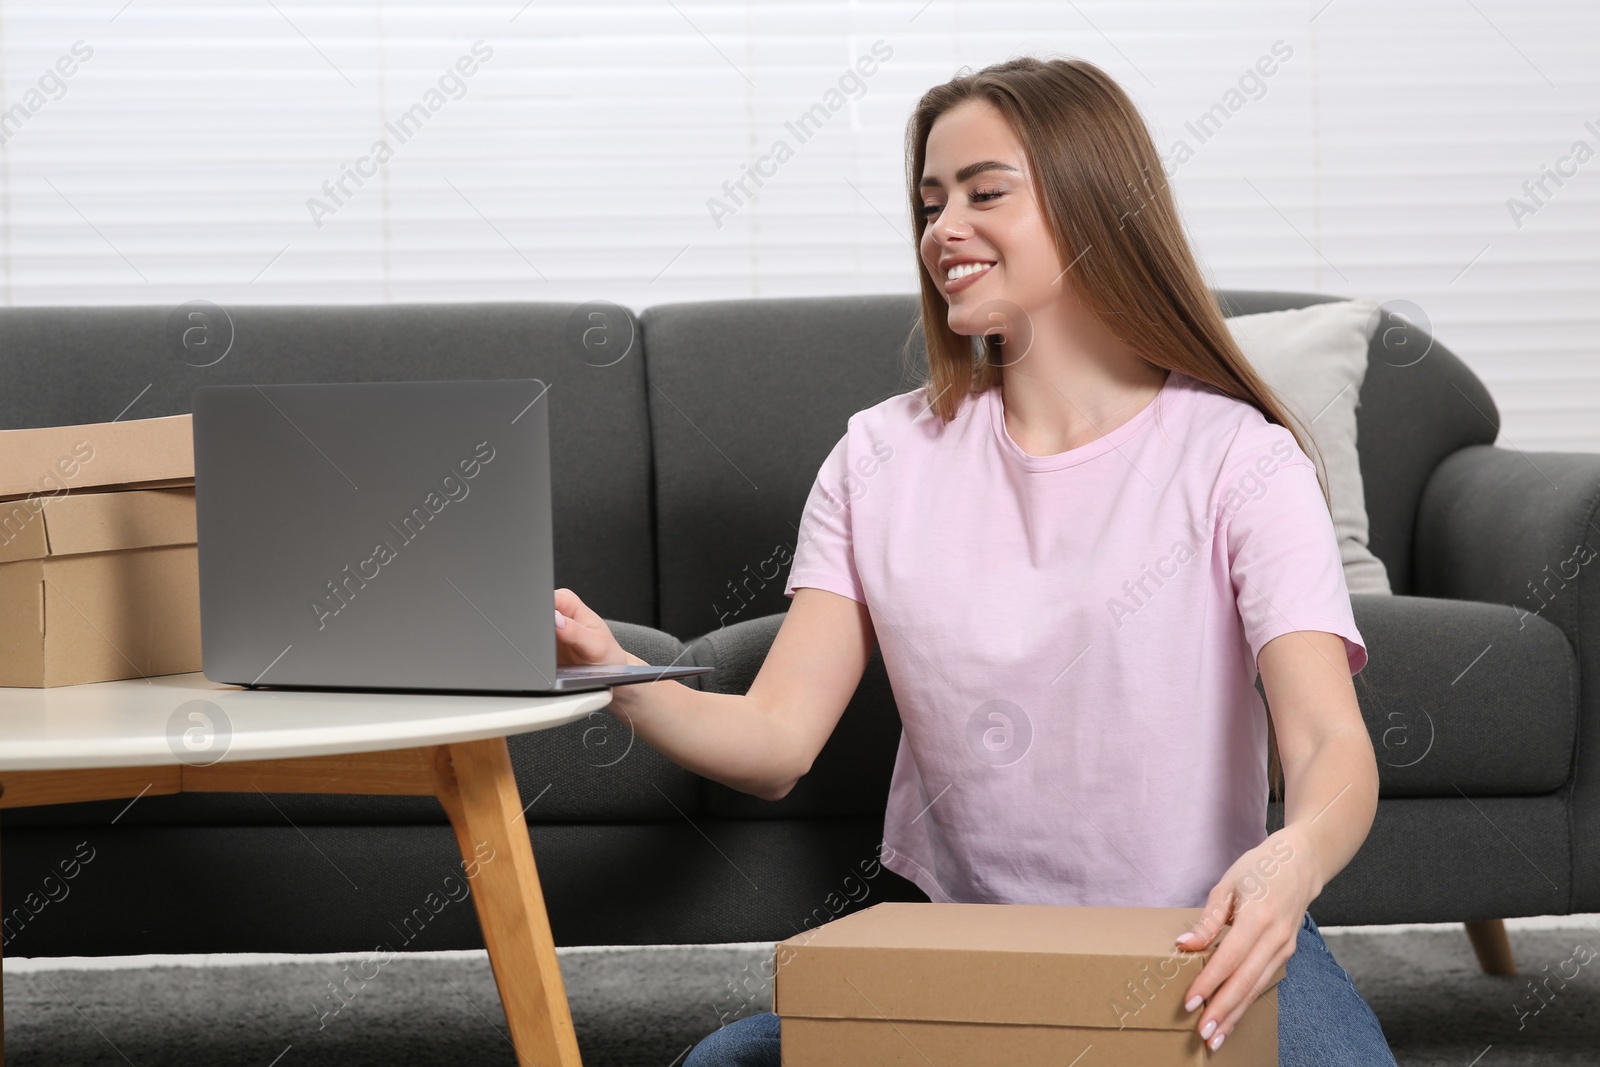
<point>1283,552</point>
<point>824,554</point>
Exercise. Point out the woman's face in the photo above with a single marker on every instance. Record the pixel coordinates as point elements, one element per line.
<point>982,216</point>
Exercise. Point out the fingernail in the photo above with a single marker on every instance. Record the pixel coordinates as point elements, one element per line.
<point>1205,1031</point>
<point>1193,1002</point>
<point>561,621</point>
<point>1184,939</point>
<point>1218,1042</point>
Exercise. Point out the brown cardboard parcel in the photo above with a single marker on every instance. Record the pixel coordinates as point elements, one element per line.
<point>99,586</point>
<point>1014,984</point>
<point>51,460</point>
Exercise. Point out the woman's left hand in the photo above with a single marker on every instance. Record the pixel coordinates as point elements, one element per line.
<point>1264,897</point>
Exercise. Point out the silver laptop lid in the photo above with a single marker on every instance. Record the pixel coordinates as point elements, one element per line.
<point>376,535</point>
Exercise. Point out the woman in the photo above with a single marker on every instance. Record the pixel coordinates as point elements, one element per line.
<point>1075,546</point>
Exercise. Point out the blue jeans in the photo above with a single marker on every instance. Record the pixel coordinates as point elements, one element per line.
<point>1322,1020</point>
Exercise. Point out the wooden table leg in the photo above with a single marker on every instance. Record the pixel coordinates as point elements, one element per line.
<point>1492,946</point>
<point>473,781</point>
<point>479,793</point>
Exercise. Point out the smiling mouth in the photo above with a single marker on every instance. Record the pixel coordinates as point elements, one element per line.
<point>965,274</point>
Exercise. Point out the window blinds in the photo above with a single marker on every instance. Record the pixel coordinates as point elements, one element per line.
<point>269,151</point>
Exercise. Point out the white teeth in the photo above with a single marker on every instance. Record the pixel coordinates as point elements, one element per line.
<point>961,270</point>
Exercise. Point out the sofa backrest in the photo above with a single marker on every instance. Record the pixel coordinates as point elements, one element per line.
<point>67,365</point>
<point>684,454</point>
<point>749,396</point>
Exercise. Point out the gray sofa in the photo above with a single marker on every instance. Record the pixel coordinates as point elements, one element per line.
<point>684,446</point>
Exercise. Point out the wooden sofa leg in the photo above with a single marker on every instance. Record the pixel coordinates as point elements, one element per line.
<point>1493,948</point>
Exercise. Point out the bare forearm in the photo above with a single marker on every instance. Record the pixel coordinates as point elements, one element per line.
<point>726,737</point>
<point>1330,801</point>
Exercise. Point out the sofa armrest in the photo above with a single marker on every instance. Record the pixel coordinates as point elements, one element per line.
<point>1519,528</point>
<point>736,650</point>
<point>850,776</point>
<point>1510,527</point>
<point>655,647</point>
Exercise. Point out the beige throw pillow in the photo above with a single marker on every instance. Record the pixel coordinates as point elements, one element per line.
<point>1315,358</point>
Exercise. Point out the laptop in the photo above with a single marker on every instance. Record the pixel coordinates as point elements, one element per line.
<point>382,535</point>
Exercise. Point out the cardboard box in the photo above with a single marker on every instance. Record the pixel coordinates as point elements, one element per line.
<point>1013,984</point>
<point>55,460</point>
<point>97,586</point>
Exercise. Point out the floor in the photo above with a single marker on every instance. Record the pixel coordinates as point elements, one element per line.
<point>647,1007</point>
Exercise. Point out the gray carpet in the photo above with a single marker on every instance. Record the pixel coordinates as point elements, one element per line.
<point>647,1007</point>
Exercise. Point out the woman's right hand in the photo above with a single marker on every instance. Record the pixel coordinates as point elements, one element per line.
<point>582,637</point>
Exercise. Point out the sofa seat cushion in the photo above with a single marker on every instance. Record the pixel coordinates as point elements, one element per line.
<point>1459,697</point>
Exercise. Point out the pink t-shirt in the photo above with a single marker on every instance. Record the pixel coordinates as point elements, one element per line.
<point>1072,639</point>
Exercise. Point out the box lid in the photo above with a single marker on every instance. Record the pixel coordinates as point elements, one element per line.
<point>49,459</point>
<point>997,963</point>
<point>77,523</point>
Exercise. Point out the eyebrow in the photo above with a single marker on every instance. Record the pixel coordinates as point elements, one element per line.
<point>966,172</point>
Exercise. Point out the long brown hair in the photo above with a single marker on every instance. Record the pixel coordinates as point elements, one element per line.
<point>1105,198</point>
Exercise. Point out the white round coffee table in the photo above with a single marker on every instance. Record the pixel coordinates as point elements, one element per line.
<point>183,733</point>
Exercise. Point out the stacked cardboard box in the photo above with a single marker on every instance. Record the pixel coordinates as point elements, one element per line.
<point>1014,984</point>
<point>99,574</point>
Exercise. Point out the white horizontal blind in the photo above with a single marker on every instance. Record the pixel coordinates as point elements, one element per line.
<point>186,154</point>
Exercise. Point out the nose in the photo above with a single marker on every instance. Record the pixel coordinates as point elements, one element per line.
<point>949,225</point>
<point>944,236</point>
